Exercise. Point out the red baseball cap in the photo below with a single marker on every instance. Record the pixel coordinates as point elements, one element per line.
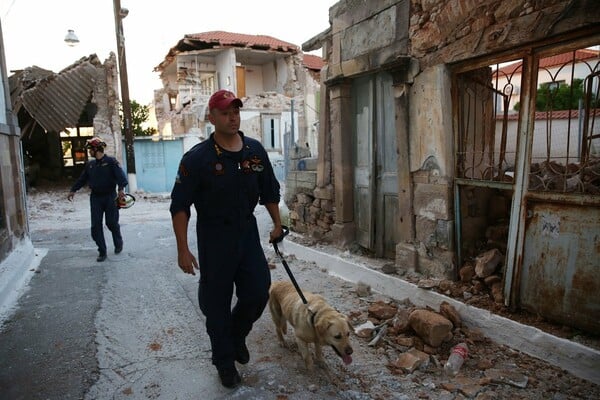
<point>223,99</point>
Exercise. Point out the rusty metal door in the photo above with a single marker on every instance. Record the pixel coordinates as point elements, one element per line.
<point>561,263</point>
<point>559,276</point>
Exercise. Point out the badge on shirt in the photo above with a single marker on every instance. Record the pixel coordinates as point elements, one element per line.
<point>218,150</point>
<point>219,168</point>
<point>182,170</point>
<point>256,165</point>
<point>246,166</point>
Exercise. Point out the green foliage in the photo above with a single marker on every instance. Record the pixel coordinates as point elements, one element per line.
<point>139,115</point>
<point>564,97</point>
<point>558,96</point>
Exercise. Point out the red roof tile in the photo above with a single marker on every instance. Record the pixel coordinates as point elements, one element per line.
<point>209,40</point>
<point>553,61</point>
<point>313,62</point>
<point>239,39</point>
<point>557,114</point>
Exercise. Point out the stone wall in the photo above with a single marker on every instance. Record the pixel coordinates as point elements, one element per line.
<point>444,31</point>
<point>366,36</point>
<point>107,123</point>
<point>13,213</point>
<point>434,223</point>
<point>388,35</point>
<point>312,210</point>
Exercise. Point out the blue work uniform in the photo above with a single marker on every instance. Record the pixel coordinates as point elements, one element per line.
<point>225,187</point>
<point>103,176</point>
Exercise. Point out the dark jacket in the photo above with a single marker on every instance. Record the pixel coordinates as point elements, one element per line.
<point>224,186</point>
<point>102,176</point>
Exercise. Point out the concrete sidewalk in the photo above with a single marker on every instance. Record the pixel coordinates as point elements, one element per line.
<point>15,273</point>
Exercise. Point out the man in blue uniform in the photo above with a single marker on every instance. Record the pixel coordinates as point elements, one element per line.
<point>103,174</point>
<point>225,177</point>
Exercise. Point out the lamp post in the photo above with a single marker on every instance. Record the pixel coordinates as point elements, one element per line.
<point>71,39</point>
<point>121,13</point>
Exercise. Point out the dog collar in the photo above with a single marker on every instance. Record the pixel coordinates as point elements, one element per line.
<point>312,316</point>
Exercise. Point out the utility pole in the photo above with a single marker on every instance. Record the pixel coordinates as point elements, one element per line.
<point>121,13</point>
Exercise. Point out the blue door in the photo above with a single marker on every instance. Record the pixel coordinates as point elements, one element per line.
<point>156,164</point>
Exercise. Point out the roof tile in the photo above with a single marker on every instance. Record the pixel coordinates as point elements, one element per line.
<point>239,39</point>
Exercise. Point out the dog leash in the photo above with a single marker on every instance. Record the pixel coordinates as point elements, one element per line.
<point>286,231</point>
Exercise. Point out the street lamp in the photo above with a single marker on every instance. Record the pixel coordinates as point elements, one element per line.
<point>71,39</point>
<point>121,13</point>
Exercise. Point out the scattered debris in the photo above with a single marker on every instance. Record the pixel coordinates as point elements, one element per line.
<point>362,289</point>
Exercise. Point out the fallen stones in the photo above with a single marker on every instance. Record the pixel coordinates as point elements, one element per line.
<point>432,327</point>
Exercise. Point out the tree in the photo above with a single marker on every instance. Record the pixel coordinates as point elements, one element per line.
<point>558,96</point>
<point>139,115</point>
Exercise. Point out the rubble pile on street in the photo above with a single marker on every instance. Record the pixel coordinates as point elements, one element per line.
<point>416,342</point>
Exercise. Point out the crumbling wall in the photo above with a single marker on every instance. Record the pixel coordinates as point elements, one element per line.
<point>368,37</point>
<point>13,213</point>
<point>282,80</point>
<point>107,122</point>
<point>312,210</point>
<point>447,31</point>
<point>443,32</point>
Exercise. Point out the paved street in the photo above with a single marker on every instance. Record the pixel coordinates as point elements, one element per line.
<point>130,328</point>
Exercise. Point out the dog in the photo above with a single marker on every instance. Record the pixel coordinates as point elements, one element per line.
<point>315,322</point>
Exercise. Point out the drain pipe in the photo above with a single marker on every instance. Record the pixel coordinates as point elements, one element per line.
<point>292,116</point>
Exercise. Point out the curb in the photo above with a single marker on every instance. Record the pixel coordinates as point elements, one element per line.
<point>15,274</point>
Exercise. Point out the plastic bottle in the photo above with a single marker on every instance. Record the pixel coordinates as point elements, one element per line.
<point>457,357</point>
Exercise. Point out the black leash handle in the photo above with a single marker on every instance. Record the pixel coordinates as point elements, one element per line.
<point>286,231</point>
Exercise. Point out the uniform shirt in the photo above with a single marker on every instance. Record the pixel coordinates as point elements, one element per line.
<point>224,186</point>
<point>102,176</point>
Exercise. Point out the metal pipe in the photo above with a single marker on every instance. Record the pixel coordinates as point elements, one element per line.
<point>292,113</point>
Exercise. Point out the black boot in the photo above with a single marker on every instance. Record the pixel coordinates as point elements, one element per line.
<point>241,352</point>
<point>230,377</point>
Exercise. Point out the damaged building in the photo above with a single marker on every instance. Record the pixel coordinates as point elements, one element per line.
<point>58,112</point>
<point>278,84</point>
<point>437,152</point>
<point>16,249</point>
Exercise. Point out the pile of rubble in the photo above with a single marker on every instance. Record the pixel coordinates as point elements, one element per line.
<point>421,339</point>
<point>480,281</point>
<point>415,332</point>
<point>552,176</point>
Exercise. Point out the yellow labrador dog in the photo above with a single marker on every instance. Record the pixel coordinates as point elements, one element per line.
<point>316,322</point>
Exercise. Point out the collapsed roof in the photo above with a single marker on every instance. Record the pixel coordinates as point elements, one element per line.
<point>216,39</point>
<point>54,100</point>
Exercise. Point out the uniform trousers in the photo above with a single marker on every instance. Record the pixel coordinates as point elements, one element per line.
<point>104,205</point>
<point>231,257</point>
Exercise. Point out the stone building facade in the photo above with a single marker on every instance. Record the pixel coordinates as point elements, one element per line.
<point>16,248</point>
<point>410,167</point>
<point>277,83</point>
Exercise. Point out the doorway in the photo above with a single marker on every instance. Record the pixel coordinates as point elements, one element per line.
<point>375,164</point>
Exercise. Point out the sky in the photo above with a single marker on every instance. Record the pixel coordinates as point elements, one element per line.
<point>34,30</point>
